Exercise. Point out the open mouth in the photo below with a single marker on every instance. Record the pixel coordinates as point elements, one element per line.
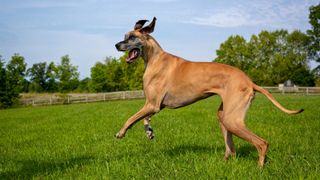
<point>133,55</point>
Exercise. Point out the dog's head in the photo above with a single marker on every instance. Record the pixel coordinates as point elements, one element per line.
<point>135,41</point>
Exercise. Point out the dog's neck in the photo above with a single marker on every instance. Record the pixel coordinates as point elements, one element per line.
<point>151,51</point>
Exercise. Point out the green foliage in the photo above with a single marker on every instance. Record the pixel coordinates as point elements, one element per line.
<point>132,73</point>
<point>37,74</point>
<point>67,75</point>
<point>84,85</point>
<point>107,76</point>
<point>51,74</point>
<point>42,77</point>
<point>269,58</point>
<point>234,51</point>
<point>314,33</point>
<point>12,80</point>
<point>2,82</point>
<point>116,75</point>
<point>98,81</point>
<point>77,142</point>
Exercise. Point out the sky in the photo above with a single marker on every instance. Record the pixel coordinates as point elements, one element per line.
<point>87,30</point>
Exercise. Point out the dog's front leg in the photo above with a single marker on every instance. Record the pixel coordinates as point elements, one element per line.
<point>147,127</point>
<point>146,111</point>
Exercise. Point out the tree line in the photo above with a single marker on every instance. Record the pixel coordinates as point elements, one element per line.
<point>111,75</point>
<point>269,58</point>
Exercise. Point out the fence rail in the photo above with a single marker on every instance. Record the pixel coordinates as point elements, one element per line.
<point>53,99</point>
<point>295,90</point>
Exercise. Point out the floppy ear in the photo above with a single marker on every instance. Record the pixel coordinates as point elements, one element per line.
<point>139,24</point>
<point>149,29</point>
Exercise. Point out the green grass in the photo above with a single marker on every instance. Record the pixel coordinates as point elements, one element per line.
<point>77,141</point>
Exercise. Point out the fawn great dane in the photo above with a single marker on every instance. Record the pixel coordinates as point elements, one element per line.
<point>172,82</point>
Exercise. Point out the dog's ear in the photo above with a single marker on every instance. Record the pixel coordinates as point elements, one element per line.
<point>149,29</point>
<point>139,24</point>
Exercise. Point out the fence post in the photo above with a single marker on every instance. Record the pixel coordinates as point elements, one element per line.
<point>123,95</point>
<point>50,100</point>
<point>86,98</point>
<point>283,90</point>
<point>68,99</point>
<point>307,91</point>
<point>104,97</point>
<point>32,102</point>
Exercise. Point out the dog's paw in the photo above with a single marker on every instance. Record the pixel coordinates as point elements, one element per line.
<point>150,134</point>
<point>119,135</point>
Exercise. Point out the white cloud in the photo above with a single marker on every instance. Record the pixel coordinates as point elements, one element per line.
<point>275,14</point>
<point>229,18</point>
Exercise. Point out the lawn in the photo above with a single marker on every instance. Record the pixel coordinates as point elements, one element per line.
<point>77,141</point>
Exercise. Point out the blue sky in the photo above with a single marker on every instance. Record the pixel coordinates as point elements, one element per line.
<point>45,30</point>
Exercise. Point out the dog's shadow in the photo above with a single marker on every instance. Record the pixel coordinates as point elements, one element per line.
<point>31,169</point>
<point>243,151</point>
<point>247,150</point>
<point>186,149</point>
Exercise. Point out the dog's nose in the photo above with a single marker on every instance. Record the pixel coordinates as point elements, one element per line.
<point>118,46</point>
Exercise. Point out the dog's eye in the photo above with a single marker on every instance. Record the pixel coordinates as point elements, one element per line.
<point>126,37</point>
<point>131,37</point>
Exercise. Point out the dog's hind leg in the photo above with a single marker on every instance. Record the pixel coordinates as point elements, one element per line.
<point>233,120</point>
<point>147,127</point>
<point>227,135</point>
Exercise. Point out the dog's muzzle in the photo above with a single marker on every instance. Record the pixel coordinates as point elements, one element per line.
<point>133,52</point>
<point>118,46</point>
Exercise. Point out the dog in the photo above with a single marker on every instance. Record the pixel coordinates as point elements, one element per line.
<point>173,82</point>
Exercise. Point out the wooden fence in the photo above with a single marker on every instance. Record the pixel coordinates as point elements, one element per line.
<point>295,90</point>
<point>53,99</point>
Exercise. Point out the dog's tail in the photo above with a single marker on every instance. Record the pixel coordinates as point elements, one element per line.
<point>274,101</point>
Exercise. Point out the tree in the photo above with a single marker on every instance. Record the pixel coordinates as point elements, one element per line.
<point>43,77</point>
<point>68,75</point>
<point>98,78</point>
<point>116,75</point>
<point>14,80</point>
<point>132,73</point>
<point>52,76</point>
<point>314,33</point>
<point>84,85</point>
<point>107,76</point>
<point>234,51</point>
<point>38,77</point>
<point>136,80</point>
<point>297,54</point>
<point>269,58</point>
<point>2,82</point>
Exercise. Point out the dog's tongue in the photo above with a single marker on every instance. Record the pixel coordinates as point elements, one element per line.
<point>132,54</point>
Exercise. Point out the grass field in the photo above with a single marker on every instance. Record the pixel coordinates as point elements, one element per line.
<point>77,141</point>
